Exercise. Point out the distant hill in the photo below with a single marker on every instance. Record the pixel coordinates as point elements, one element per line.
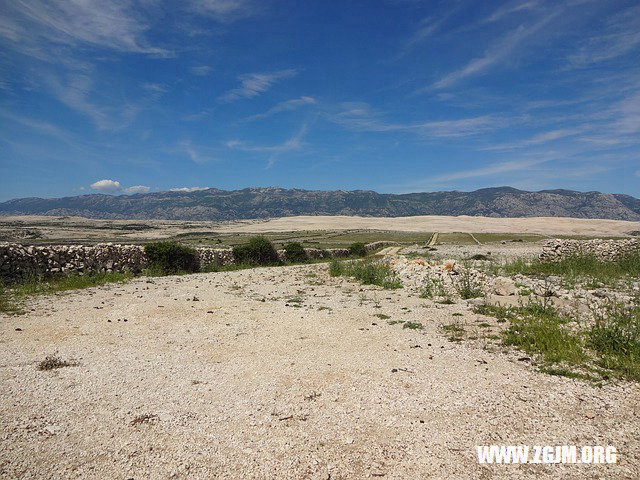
<point>214,204</point>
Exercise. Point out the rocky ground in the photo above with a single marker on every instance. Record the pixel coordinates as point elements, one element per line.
<point>282,373</point>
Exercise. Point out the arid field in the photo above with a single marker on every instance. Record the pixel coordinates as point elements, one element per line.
<point>314,229</point>
<point>289,372</point>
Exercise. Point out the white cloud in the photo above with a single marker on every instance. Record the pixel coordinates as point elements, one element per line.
<point>253,84</point>
<point>283,107</point>
<point>194,153</point>
<point>107,24</point>
<point>511,7</point>
<point>620,36</point>
<point>293,143</point>
<point>508,45</point>
<point>224,10</point>
<point>77,94</point>
<point>538,139</point>
<point>106,186</point>
<point>360,116</point>
<point>113,186</point>
<point>188,189</point>
<point>137,189</point>
<point>201,70</point>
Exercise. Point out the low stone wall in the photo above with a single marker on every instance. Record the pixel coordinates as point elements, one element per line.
<point>17,260</point>
<point>555,250</point>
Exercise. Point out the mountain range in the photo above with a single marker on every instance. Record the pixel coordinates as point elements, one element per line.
<point>270,202</point>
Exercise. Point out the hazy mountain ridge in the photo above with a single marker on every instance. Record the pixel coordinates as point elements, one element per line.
<point>215,204</point>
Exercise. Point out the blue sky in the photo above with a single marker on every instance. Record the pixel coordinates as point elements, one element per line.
<point>388,95</point>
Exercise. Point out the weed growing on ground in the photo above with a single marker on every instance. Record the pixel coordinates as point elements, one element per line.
<point>51,362</point>
<point>609,348</point>
<point>587,268</point>
<point>455,331</point>
<point>468,287</point>
<point>413,325</point>
<point>367,272</point>
<point>615,337</point>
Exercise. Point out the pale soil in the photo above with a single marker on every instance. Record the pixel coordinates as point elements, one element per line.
<point>443,224</point>
<point>69,229</point>
<point>244,384</point>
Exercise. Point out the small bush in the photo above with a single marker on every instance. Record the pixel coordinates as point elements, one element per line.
<point>358,249</point>
<point>295,252</point>
<point>169,258</point>
<point>257,251</point>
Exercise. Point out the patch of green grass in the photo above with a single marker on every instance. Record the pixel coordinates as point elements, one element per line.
<point>540,330</point>
<point>615,337</point>
<point>367,272</point>
<point>580,268</point>
<point>413,325</point>
<point>608,348</point>
<point>12,296</point>
<point>445,301</point>
<point>38,285</point>
<point>295,302</point>
<point>455,331</point>
<point>8,302</point>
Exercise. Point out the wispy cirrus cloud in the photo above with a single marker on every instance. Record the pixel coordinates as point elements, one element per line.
<point>293,143</point>
<point>538,139</point>
<point>621,36</point>
<point>502,49</point>
<point>360,116</point>
<point>199,155</point>
<point>201,70</point>
<point>77,94</point>
<point>510,8</point>
<point>224,10</point>
<point>254,84</point>
<point>32,26</point>
<point>285,106</point>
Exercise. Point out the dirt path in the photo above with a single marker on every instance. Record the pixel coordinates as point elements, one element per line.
<point>280,373</point>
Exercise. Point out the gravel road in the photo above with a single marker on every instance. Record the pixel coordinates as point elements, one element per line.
<point>281,373</point>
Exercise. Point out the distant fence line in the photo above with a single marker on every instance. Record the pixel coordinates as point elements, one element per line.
<point>557,249</point>
<point>17,260</point>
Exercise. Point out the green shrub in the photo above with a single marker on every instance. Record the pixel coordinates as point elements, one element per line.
<point>295,252</point>
<point>357,249</point>
<point>169,258</point>
<point>257,251</point>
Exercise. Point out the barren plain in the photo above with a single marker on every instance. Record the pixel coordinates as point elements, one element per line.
<point>287,372</point>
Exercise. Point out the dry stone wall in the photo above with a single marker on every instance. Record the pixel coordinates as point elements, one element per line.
<point>18,260</point>
<point>555,250</point>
